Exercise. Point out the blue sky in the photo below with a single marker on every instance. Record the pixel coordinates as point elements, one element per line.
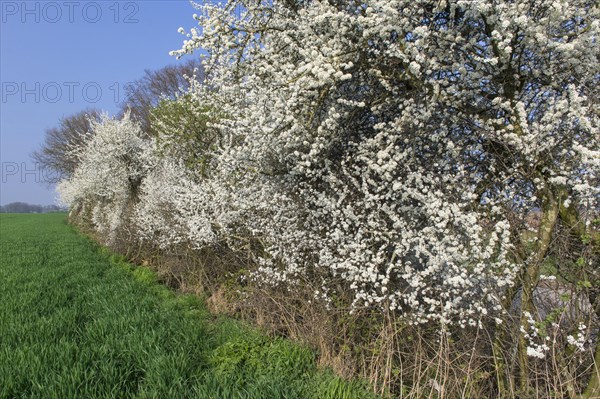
<point>59,57</point>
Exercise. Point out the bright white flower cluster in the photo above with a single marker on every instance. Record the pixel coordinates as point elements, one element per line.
<point>537,344</point>
<point>376,152</point>
<point>109,172</point>
<point>581,339</point>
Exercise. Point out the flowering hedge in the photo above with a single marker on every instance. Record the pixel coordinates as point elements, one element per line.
<point>383,152</point>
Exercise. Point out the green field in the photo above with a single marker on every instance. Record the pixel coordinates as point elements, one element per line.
<point>77,322</point>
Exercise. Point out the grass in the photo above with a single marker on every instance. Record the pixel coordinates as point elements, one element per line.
<point>78,322</point>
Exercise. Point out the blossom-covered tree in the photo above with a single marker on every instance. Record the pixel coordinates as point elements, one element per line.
<point>410,129</point>
<point>109,173</point>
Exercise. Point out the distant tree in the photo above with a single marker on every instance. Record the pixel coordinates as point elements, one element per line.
<point>142,95</point>
<point>23,207</point>
<point>57,155</point>
<point>53,208</point>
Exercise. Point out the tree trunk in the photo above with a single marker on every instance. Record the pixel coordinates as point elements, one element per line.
<point>593,388</point>
<point>550,208</point>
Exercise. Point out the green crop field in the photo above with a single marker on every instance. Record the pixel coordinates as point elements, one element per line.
<point>77,322</point>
